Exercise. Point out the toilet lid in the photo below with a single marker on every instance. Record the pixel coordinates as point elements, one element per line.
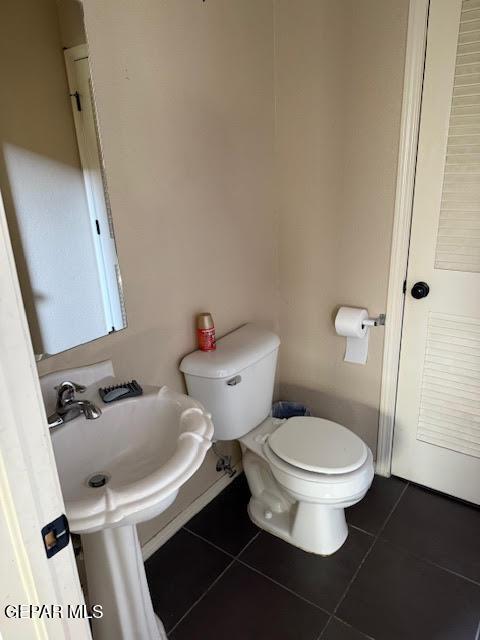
<point>319,445</point>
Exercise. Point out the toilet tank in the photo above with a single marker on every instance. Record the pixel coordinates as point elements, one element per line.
<point>235,382</point>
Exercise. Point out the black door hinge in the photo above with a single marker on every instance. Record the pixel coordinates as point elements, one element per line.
<point>56,535</point>
<point>78,102</point>
<point>404,287</point>
<point>97,224</point>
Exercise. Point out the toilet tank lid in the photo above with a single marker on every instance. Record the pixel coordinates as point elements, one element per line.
<point>235,351</point>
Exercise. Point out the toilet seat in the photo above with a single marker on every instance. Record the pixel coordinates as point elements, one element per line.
<point>322,488</point>
<point>318,445</point>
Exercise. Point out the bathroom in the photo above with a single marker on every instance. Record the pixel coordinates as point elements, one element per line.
<point>259,157</point>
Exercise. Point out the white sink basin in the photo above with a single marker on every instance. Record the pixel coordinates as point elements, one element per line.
<point>146,447</point>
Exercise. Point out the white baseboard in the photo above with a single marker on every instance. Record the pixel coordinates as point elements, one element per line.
<point>197,505</point>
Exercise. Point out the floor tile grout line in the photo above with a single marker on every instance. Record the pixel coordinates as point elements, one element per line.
<point>248,544</point>
<point>431,562</point>
<point>417,556</point>
<point>285,588</point>
<point>279,584</point>
<point>369,550</point>
<point>357,571</point>
<point>245,564</point>
<point>354,526</point>
<point>371,533</point>
<point>202,596</point>
<point>236,558</point>
<point>212,544</point>
<point>331,616</point>
<point>347,624</point>
<point>322,632</point>
<point>408,551</point>
<point>230,564</point>
<point>390,513</point>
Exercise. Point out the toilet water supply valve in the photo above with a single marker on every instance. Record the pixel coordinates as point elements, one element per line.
<point>224,462</point>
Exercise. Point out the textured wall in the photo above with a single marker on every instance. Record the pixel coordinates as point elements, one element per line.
<point>70,18</point>
<point>185,94</point>
<point>185,101</point>
<point>339,70</point>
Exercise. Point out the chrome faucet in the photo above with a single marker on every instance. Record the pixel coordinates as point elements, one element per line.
<point>69,407</point>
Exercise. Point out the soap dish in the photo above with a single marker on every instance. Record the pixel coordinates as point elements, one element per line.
<point>120,391</point>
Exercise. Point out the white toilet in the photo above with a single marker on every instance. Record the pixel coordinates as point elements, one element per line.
<point>303,472</point>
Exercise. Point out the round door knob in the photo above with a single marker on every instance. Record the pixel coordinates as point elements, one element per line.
<point>420,290</point>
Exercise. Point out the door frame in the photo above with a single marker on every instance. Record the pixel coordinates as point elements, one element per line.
<point>406,168</point>
<point>96,192</point>
<point>30,494</point>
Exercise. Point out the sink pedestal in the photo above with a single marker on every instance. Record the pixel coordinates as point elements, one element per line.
<point>116,580</point>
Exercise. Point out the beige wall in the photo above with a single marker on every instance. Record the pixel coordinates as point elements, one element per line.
<point>185,101</point>
<point>339,69</point>
<point>70,19</point>
<point>185,93</point>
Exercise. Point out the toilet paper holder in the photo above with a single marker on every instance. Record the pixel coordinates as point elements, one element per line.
<point>374,322</point>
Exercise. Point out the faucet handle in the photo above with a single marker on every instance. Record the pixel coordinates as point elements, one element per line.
<point>54,420</point>
<point>66,392</point>
<point>73,386</point>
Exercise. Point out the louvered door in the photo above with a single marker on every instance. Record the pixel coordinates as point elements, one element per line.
<point>437,428</point>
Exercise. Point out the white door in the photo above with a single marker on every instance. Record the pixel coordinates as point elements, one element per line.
<point>91,158</point>
<point>437,426</point>
<point>30,495</point>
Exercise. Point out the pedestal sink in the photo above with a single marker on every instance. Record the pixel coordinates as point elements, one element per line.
<point>137,454</point>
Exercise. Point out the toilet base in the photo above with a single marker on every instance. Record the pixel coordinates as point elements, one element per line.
<point>315,526</point>
<point>312,527</point>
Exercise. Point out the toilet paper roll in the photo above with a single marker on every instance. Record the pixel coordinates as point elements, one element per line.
<point>349,323</point>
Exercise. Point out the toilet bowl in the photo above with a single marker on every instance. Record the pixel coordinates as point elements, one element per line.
<point>302,498</point>
<point>302,472</point>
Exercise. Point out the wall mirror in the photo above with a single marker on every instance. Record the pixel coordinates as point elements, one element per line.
<point>53,179</point>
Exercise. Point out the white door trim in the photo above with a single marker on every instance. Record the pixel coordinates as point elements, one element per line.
<point>30,495</point>
<point>91,159</point>
<point>91,194</point>
<point>407,157</point>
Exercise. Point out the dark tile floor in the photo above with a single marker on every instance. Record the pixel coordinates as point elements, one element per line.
<point>409,570</point>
